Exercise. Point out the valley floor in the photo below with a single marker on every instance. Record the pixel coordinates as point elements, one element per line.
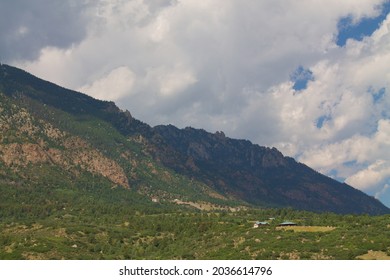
<point>190,234</point>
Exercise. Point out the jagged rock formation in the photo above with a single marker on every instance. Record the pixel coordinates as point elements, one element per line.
<point>259,175</point>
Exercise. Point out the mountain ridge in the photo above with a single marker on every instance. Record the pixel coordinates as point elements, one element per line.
<point>233,169</point>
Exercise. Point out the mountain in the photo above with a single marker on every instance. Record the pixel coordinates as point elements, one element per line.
<point>52,136</point>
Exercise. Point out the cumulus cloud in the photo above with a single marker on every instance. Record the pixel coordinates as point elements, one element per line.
<point>118,83</point>
<point>232,66</point>
<point>362,160</point>
<point>350,97</point>
<point>375,174</point>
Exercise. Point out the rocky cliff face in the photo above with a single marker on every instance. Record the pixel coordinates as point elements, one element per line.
<point>25,141</point>
<point>259,175</point>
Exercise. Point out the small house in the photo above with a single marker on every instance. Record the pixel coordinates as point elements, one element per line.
<point>287,224</point>
<point>260,224</point>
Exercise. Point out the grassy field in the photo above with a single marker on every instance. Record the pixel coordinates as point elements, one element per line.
<point>374,255</point>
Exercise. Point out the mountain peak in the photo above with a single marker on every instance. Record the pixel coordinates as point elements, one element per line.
<point>150,158</point>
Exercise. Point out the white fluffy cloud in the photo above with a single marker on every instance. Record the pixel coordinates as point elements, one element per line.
<point>227,65</point>
<point>118,83</point>
<point>350,97</point>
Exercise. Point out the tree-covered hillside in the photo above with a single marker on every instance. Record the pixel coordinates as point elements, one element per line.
<point>82,179</point>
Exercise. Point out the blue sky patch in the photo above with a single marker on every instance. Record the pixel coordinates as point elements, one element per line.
<point>365,27</point>
<point>321,120</point>
<point>378,95</point>
<point>301,77</point>
<point>334,174</point>
<point>350,163</point>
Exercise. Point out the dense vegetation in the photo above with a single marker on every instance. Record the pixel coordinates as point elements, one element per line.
<point>63,218</point>
<point>90,223</point>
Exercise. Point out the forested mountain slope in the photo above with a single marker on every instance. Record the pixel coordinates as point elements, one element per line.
<point>75,140</point>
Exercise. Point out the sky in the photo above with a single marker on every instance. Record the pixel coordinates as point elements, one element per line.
<point>309,77</point>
